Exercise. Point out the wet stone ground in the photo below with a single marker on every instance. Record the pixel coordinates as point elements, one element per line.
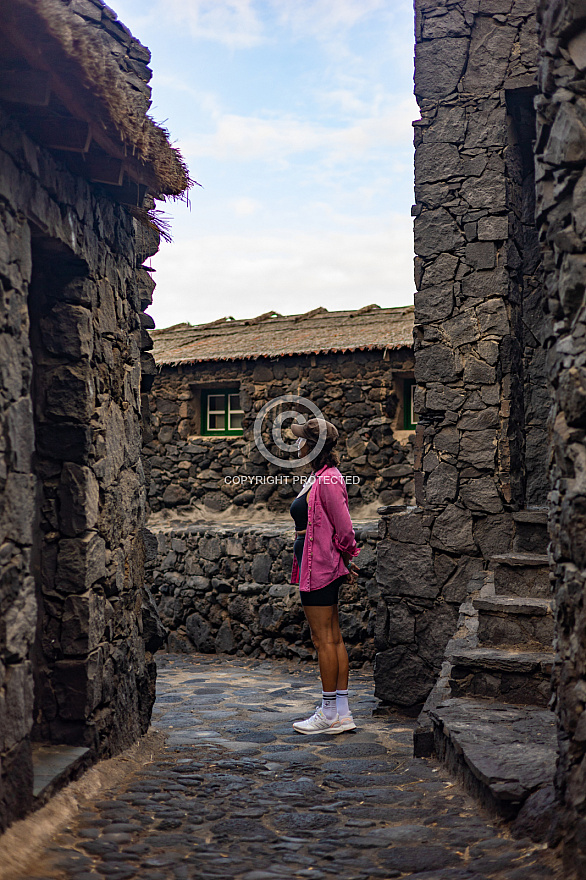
<point>235,793</point>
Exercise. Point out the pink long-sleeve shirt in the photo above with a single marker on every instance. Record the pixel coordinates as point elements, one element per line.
<point>329,532</point>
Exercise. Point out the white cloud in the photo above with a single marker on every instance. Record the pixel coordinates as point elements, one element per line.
<point>246,138</point>
<point>291,271</point>
<point>245,207</point>
<point>234,23</point>
<point>318,18</point>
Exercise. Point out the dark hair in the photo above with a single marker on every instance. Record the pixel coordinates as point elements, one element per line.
<point>328,457</point>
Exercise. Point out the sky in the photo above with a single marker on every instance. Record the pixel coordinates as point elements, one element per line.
<point>295,117</point>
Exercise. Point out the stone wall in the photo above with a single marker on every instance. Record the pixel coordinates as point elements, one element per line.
<point>561,214</point>
<point>225,589</point>
<point>359,392</point>
<point>424,576</point>
<point>479,328</point>
<point>77,627</point>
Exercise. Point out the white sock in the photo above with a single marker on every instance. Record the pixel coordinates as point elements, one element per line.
<point>342,706</point>
<point>328,705</point>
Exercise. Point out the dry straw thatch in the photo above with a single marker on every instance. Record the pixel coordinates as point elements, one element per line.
<point>85,74</point>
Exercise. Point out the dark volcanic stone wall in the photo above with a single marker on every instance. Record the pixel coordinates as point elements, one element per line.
<point>225,589</point>
<point>77,631</point>
<point>479,361</point>
<point>359,392</point>
<point>561,213</point>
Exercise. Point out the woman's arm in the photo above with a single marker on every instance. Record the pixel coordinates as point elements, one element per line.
<point>334,499</point>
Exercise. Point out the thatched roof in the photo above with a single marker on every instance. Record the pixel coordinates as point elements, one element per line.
<point>89,84</point>
<point>273,335</point>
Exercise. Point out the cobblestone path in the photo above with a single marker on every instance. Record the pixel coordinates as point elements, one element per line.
<point>235,793</point>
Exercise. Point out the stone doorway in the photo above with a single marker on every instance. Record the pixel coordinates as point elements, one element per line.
<point>61,340</point>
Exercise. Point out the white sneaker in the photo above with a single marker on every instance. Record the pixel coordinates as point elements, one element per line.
<point>344,723</point>
<point>318,723</point>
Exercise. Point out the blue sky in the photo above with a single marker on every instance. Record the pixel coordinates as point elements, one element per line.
<point>295,116</point>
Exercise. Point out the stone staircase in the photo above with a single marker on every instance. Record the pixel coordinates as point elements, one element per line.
<point>515,634</point>
<point>487,717</point>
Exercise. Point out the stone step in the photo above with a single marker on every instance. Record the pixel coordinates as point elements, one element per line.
<point>505,674</point>
<point>514,621</point>
<point>505,755</point>
<point>54,766</point>
<point>530,531</point>
<point>521,574</point>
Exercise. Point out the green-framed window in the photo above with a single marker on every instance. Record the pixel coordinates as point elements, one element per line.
<point>409,416</point>
<point>221,414</point>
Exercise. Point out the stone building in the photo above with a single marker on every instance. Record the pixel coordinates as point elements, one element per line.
<point>481,461</point>
<point>80,163</point>
<point>213,379</point>
<point>500,330</point>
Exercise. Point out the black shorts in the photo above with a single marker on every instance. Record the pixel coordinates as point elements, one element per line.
<point>327,595</point>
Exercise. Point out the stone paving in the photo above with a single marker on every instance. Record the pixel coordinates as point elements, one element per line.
<point>235,793</point>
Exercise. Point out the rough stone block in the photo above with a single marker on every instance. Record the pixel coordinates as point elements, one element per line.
<point>18,509</point>
<point>442,269</point>
<point>67,331</point>
<point>81,562</point>
<point>478,448</point>
<point>261,568</point>
<point>494,534</point>
<point>20,434</point>
<point>517,575</point>
<point>436,363</point>
<point>485,283</point>
<point>406,570</point>
<point>452,530</point>
<point>199,632</point>
<point>111,443</point>
<point>442,484</point>
<point>224,641</point>
<point>20,620</point>
<point>477,372</point>
<point>479,421</point>
<point>70,393</point>
<point>410,528</point>
<point>481,495</point>
<point>436,162</point>
<point>567,138</point>
<point>78,499</point>
<point>11,367</point>
<point>487,191</point>
<point>16,706</point>
<point>488,59</point>
<point>64,442</point>
<point>493,229</point>
<point>462,329</point>
<point>210,548</point>
<point>78,686</point>
<point>435,232</point>
<point>175,495</point>
<point>434,303</point>
<point>439,66</point>
<point>481,254</point>
<point>462,582</point>
<point>433,630</point>
<point>82,623</point>
<point>402,678</point>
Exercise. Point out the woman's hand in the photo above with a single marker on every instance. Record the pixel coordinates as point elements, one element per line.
<point>353,568</point>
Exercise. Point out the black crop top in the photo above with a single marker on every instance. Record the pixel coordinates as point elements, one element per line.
<point>299,511</point>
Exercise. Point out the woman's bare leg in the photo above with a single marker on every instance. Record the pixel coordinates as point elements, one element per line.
<point>331,653</point>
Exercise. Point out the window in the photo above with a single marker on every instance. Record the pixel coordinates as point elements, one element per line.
<point>409,417</point>
<point>221,413</point>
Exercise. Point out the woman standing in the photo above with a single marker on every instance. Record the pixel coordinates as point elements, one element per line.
<point>324,546</point>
